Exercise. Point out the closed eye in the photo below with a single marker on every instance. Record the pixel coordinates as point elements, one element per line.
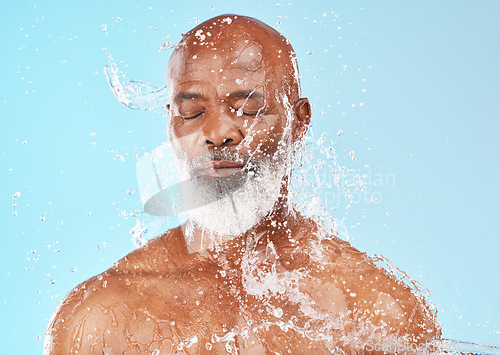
<point>246,112</point>
<point>191,117</point>
<point>249,113</point>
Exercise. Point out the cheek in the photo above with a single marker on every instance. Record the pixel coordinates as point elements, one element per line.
<point>264,134</point>
<point>183,140</point>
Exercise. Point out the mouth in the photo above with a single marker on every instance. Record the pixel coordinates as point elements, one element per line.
<point>220,168</point>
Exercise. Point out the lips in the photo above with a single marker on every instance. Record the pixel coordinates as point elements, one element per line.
<point>220,168</point>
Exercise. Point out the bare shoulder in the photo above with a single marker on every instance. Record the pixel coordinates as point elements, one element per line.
<point>163,253</point>
<point>100,311</point>
<point>77,311</point>
<point>373,296</point>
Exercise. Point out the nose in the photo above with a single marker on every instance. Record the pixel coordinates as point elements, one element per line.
<point>220,130</point>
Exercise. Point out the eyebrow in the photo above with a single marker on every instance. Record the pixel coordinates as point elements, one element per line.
<point>186,95</point>
<point>253,94</point>
<point>245,94</point>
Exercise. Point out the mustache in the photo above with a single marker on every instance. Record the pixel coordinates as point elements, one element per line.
<point>217,155</point>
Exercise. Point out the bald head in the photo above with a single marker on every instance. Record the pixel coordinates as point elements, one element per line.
<point>233,83</point>
<point>247,44</point>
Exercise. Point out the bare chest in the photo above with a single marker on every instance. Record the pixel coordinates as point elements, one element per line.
<point>193,313</point>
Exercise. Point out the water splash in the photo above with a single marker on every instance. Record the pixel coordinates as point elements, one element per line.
<point>135,94</point>
<point>317,170</point>
<point>418,289</point>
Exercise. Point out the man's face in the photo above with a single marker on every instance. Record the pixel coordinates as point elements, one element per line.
<point>224,97</point>
<point>229,127</point>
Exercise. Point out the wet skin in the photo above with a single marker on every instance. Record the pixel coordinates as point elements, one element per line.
<point>166,298</point>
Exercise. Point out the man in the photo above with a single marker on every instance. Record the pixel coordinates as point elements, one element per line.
<point>247,273</point>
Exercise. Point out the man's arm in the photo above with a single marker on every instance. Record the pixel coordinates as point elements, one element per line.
<point>83,321</point>
<point>377,303</point>
<point>61,333</point>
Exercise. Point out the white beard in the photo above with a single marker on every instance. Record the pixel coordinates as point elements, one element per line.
<point>233,211</point>
<point>237,212</point>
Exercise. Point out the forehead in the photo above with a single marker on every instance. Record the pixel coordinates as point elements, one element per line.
<point>231,59</point>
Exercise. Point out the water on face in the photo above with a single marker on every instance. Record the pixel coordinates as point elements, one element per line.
<point>305,290</point>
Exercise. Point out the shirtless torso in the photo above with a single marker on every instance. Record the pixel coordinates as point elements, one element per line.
<point>282,284</point>
<point>289,296</point>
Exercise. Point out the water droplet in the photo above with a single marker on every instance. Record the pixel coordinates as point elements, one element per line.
<point>278,312</point>
<point>166,45</point>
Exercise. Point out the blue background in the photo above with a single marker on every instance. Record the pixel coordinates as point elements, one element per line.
<point>414,87</point>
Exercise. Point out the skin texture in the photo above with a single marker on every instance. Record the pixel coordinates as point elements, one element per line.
<point>163,298</point>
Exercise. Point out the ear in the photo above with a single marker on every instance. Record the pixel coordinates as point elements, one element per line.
<point>169,120</point>
<point>169,113</point>
<point>302,110</point>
